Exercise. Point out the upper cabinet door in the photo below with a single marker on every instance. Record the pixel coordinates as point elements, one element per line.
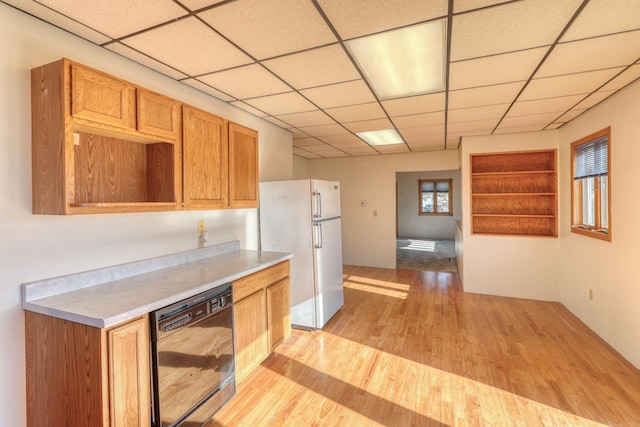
<point>158,115</point>
<point>206,161</point>
<point>243,167</point>
<point>99,98</point>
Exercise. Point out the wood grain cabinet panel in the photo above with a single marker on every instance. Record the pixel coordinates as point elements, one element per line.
<point>243,167</point>
<point>82,376</point>
<point>261,313</point>
<point>206,161</point>
<point>514,193</point>
<point>100,98</point>
<point>250,333</point>
<point>158,115</point>
<point>278,313</point>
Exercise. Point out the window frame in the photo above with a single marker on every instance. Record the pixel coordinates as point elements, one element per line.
<point>577,226</point>
<point>435,195</point>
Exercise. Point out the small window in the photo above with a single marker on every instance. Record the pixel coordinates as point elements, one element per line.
<point>591,188</point>
<point>435,197</point>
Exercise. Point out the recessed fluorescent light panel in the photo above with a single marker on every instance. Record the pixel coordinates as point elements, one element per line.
<point>404,62</point>
<point>381,137</point>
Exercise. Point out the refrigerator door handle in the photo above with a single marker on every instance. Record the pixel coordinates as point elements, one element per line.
<point>318,228</point>
<point>318,205</point>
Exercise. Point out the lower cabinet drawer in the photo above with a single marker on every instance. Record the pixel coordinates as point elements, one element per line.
<point>248,285</point>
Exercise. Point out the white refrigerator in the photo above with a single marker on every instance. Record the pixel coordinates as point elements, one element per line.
<point>303,217</point>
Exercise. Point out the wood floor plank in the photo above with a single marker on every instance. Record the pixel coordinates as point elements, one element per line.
<point>409,348</point>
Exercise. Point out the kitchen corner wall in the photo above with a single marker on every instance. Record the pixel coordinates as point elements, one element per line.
<point>369,231</point>
<point>513,266</point>
<point>36,247</point>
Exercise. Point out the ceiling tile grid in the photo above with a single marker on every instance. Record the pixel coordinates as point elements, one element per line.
<point>514,66</point>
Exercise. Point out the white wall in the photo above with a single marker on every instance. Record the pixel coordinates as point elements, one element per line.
<point>522,267</point>
<point>609,268</point>
<point>369,233</point>
<point>412,224</point>
<point>38,246</point>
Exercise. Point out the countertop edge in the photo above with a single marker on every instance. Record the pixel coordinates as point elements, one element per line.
<point>143,309</point>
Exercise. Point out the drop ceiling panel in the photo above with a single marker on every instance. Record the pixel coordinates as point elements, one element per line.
<point>266,30</point>
<point>248,108</point>
<point>483,125</point>
<point>465,5</point>
<point>418,120</point>
<point>509,27</point>
<point>593,99</point>
<point>316,67</point>
<point>393,149</point>
<point>531,128</point>
<point>356,18</point>
<point>354,113</point>
<point>306,154</point>
<point>487,95</point>
<point>477,113</point>
<point>369,125</point>
<point>189,46</point>
<point>340,95</point>
<point>195,5</point>
<point>592,54</point>
<point>419,135</point>
<point>572,84</point>
<point>533,120</point>
<point>415,104</point>
<point>306,142</point>
<point>364,151</point>
<point>348,140</point>
<point>601,17</point>
<point>570,115</point>
<point>496,69</point>
<point>627,76</point>
<point>208,89</point>
<point>309,118</point>
<point>249,81</point>
<point>277,122</point>
<point>324,130</point>
<point>427,146</point>
<point>547,105</point>
<point>127,52</point>
<point>59,20</point>
<point>115,18</point>
<point>284,103</point>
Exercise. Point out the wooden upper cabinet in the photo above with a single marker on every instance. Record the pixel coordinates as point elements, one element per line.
<point>206,164</point>
<point>88,155</point>
<point>101,99</point>
<point>158,115</point>
<point>243,167</point>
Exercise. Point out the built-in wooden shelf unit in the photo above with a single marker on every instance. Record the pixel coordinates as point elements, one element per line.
<point>514,193</point>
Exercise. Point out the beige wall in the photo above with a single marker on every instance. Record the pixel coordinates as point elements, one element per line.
<point>522,267</point>
<point>609,268</point>
<point>369,233</point>
<point>38,246</point>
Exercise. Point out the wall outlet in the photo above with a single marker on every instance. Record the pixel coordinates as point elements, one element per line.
<point>202,234</point>
<point>200,226</point>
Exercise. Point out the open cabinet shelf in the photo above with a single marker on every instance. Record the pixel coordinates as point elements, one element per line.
<point>514,193</point>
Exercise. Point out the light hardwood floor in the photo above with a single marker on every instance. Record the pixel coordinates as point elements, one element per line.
<point>409,348</point>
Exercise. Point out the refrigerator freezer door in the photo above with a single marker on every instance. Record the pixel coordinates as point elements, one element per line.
<point>326,199</point>
<point>285,226</point>
<point>328,269</point>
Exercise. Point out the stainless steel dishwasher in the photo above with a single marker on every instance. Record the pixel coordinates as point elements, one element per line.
<point>192,358</point>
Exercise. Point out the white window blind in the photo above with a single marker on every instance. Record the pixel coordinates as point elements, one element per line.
<point>591,159</point>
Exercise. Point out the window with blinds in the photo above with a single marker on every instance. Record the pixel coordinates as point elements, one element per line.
<point>435,197</point>
<point>590,192</point>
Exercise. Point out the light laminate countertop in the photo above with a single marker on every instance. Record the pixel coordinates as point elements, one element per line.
<point>108,296</point>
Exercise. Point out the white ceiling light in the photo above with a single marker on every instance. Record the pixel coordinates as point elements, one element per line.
<point>404,62</point>
<point>381,137</point>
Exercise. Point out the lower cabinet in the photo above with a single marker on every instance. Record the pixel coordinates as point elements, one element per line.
<point>79,375</point>
<point>261,314</point>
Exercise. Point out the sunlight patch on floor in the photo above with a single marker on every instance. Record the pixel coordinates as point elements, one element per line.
<point>418,245</point>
